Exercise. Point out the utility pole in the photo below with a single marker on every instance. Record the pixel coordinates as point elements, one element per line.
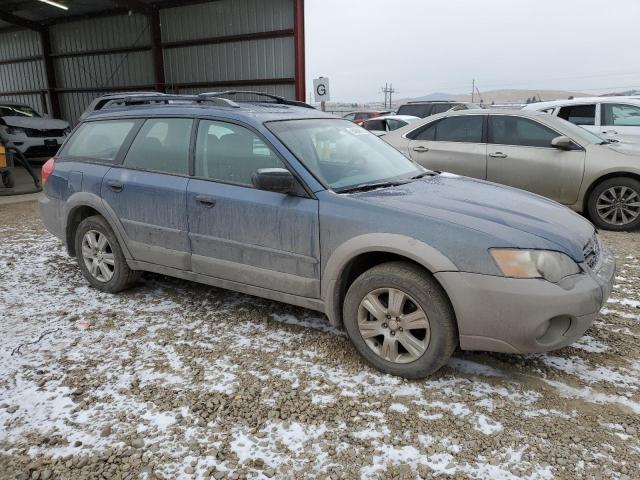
<point>473,89</point>
<point>388,91</point>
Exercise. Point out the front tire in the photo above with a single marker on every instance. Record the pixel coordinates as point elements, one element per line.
<point>615,204</point>
<point>400,320</point>
<point>100,257</point>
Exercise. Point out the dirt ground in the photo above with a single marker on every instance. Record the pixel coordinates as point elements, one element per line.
<point>177,380</point>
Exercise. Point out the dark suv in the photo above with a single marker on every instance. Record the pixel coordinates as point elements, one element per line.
<point>427,108</point>
<point>284,202</point>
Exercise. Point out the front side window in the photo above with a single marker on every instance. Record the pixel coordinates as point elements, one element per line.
<point>98,140</point>
<point>343,155</point>
<point>350,116</point>
<point>162,145</point>
<point>579,114</point>
<point>511,130</point>
<point>231,153</point>
<point>620,115</point>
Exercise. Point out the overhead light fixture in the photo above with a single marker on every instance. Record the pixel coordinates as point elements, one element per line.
<point>55,4</point>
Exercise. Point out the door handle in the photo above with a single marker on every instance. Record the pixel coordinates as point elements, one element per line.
<point>420,149</point>
<point>610,132</point>
<point>498,155</point>
<point>206,200</point>
<point>115,185</point>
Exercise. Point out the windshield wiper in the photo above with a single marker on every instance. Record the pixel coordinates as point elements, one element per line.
<point>363,187</point>
<point>423,174</point>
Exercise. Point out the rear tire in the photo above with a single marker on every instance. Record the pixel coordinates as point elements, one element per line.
<point>413,331</point>
<point>614,204</point>
<point>100,257</point>
<point>7,179</point>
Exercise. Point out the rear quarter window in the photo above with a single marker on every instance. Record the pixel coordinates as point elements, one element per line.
<point>100,141</point>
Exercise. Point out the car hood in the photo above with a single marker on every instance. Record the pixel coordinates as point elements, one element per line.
<point>513,217</point>
<point>36,123</point>
<point>625,148</point>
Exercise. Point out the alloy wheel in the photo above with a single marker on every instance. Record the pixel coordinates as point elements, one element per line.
<point>98,255</point>
<point>393,325</point>
<point>618,205</point>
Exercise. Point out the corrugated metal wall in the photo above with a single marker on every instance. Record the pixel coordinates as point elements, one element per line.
<point>246,59</point>
<point>206,46</point>
<point>23,76</point>
<point>99,71</point>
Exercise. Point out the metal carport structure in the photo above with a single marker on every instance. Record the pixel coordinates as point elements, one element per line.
<point>59,60</point>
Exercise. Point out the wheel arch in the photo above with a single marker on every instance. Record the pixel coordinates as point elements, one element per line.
<point>599,180</point>
<point>82,205</point>
<point>359,254</point>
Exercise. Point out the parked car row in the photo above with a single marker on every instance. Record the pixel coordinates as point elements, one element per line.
<point>295,205</point>
<point>534,151</point>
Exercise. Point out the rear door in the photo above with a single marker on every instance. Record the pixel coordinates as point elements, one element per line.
<point>148,192</point>
<point>242,234</point>
<point>620,121</point>
<point>520,154</point>
<point>452,144</point>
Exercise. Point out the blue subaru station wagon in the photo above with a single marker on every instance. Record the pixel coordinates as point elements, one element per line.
<point>274,199</point>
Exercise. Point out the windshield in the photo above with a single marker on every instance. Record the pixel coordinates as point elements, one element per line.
<point>343,155</point>
<point>17,111</point>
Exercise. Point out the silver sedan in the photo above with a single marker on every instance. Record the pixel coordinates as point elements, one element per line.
<point>533,151</point>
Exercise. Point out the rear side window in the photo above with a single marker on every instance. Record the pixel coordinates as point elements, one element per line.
<point>441,107</point>
<point>467,128</point>
<point>509,130</point>
<point>162,145</point>
<point>375,125</point>
<point>579,114</point>
<point>99,141</point>
<point>620,115</point>
<point>416,110</point>
<point>231,153</point>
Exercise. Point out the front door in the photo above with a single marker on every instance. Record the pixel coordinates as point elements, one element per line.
<point>452,144</point>
<point>242,234</point>
<point>148,192</point>
<point>520,154</point>
<point>620,121</point>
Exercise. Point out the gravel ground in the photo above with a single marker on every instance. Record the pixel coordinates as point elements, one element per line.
<point>177,380</point>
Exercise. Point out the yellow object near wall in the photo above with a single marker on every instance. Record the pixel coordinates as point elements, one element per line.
<point>3,156</point>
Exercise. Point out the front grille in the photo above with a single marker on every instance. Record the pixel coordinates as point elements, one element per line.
<point>592,252</point>
<point>34,132</point>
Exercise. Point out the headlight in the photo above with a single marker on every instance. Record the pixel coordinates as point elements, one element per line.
<point>552,266</point>
<point>14,131</point>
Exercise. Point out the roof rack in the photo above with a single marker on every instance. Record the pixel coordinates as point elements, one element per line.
<point>166,99</point>
<point>278,99</point>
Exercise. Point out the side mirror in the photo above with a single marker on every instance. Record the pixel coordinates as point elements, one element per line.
<point>273,180</point>
<point>562,143</point>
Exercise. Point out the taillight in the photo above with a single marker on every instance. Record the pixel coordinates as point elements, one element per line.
<point>47,169</point>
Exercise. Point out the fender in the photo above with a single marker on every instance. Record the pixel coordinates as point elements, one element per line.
<point>423,254</point>
<point>86,199</point>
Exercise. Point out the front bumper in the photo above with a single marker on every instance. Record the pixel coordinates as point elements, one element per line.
<point>35,146</point>
<point>510,315</point>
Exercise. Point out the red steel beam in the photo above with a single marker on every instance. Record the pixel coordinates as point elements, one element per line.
<point>298,34</point>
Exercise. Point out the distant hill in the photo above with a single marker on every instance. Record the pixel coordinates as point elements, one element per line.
<point>501,96</point>
<point>521,96</point>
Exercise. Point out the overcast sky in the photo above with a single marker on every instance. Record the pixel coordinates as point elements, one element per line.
<point>426,46</point>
